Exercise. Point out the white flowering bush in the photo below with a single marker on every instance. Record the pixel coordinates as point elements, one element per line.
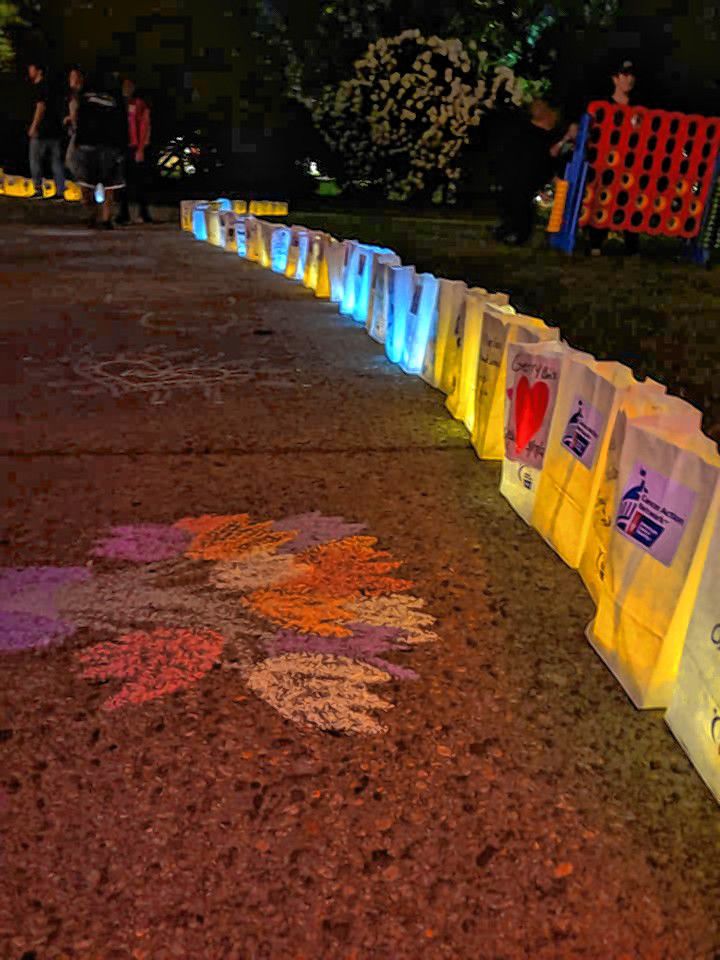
<point>404,116</point>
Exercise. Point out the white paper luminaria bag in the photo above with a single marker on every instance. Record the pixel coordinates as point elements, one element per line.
<point>659,537</point>
<point>638,400</point>
<point>449,334</point>
<point>534,375</point>
<point>694,711</point>
<point>421,319</point>
<point>400,294</point>
<point>499,328</point>
<point>589,398</point>
<point>461,402</point>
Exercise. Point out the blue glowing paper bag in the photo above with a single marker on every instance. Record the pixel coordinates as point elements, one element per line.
<point>421,320</point>
<point>400,294</point>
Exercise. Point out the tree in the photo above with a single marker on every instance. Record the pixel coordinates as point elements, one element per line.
<point>10,19</point>
<point>402,118</point>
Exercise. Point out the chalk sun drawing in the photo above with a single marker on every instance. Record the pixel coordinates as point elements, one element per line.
<point>307,610</point>
<point>157,373</point>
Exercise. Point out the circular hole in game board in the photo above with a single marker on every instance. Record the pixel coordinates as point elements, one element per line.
<point>641,201</point>
<point>615,138</point>
<point>652,143</point>
<point>644,181</point>
<point>659,204</point>
<point>666,164</point>
<point>605,197</point>
<point>591,174</point>
<point>618,118</point>
<point>636,219</point>
<point>689,224</point>
<point>592,155</point>
<point>600,217</point>
<point>618,217</point>
<point>648,161</point>
<point>654,221</point>
<point>692,128</point>
<point>627,179</point>
<point>599,114</point>
<point>674,126</point>
<point>707,147</point>
<point>676,205</point>
<point>684,167</point>
<point>656,124</point>
<point>662,184</point>
<point>688,148</point>
<point>695,208</point>
<point>672,224</point>
<point>607,177</point>
<point>622,198</point>
<point>702,169</point>
<point>633,140</point>
<point>595,134</point>
<point>629,160</point>
<point>670,146</point>
<point>710,132</point>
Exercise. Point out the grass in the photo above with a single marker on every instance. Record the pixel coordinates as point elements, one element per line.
<point>659,317</point>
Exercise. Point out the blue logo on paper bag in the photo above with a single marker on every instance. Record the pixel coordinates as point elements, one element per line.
<point>633,521</point>
<point>574,438</point>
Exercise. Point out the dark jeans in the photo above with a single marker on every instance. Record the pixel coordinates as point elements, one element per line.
<point>598,238</point>
<point>517,212</point>
<point>39,149</point>
<point>136,187</point>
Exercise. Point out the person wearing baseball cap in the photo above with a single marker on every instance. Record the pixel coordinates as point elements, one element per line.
<point>623,78</point>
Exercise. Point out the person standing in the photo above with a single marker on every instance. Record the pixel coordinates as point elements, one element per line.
<point>623,81</point>
<point>76,82</point>
<point>100,144</point>
<point>527,165</point>
<point>138,117</point>
<point>44,134</point>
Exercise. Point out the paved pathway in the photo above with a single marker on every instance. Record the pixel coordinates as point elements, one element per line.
<point>229,727</point>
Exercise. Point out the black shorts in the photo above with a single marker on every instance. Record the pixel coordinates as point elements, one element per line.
<point>94,165</point>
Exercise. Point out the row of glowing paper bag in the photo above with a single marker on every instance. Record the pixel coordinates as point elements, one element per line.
<point>613,473</point>
<point>23,187</point>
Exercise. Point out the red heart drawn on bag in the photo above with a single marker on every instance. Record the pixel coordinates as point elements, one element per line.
<point>531,403</point>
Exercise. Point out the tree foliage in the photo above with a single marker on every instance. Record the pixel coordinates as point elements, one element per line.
<point>10,18</point>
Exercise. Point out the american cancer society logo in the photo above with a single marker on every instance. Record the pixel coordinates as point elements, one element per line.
<point>583,430</point>
<point>654,512</point>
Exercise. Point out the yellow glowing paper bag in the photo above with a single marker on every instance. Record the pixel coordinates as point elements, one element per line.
<point>637,400</point>
<point>73,193</point>
<point>240,207</point>
<point>589,398</point>
<point>297,254</point>
<point>694,712</point>
<point>314,259</point>
<point>49,189</point>
<point>212,225</point>
<point>446,344</point>
<point>499,328</point>
<point>659,537</point>
<point>534,375</point>
<point>325,243</point>
<point>18,186</point>
<point>462,401</point>
<point>186,212</point>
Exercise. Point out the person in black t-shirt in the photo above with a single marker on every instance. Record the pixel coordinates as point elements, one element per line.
<point>527,165</point>
<point>100,143</point>
<point>45,133</point>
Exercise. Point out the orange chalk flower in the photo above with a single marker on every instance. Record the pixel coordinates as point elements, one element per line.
<point>301,611</point>
<point>231,537</point>
<point>152,664</point>
<point>348,568</point>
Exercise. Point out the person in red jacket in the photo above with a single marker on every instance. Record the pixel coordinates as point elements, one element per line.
<point>138,114</point>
